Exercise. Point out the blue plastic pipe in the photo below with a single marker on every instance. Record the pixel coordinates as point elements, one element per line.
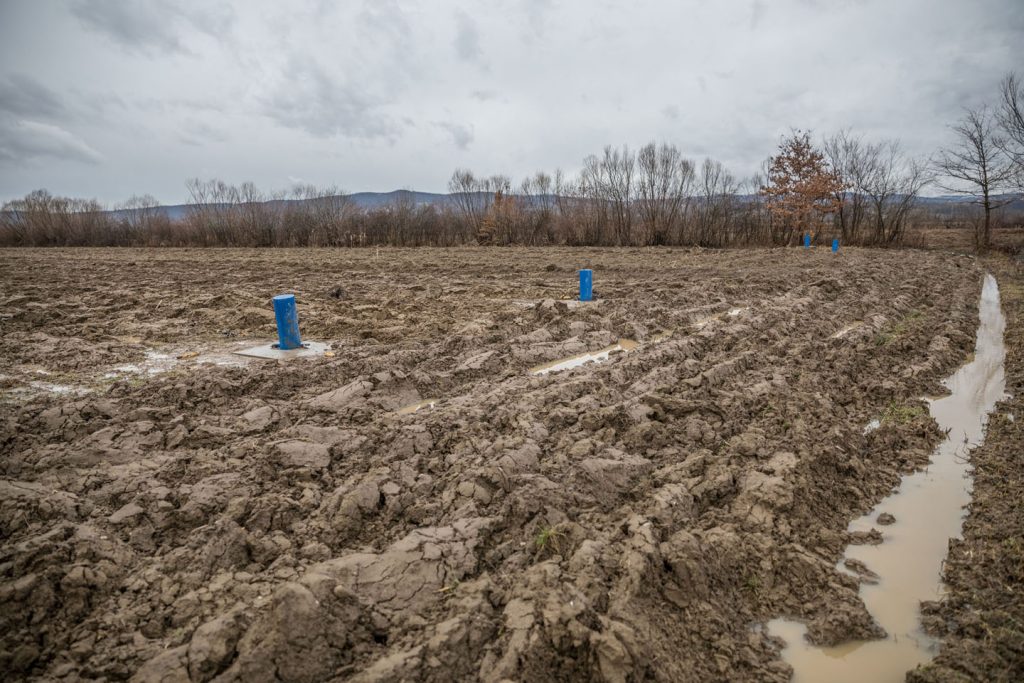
<point>807,240</point>
<point>586,285</point>
<point>835,245</point>
<point>287,322</point>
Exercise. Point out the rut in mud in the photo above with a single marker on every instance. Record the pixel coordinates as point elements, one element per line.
<point>917,522</point>
<point>631,518</point>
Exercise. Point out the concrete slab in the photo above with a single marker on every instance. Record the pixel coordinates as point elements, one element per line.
<point>570,303</point>
<point>271,352</point>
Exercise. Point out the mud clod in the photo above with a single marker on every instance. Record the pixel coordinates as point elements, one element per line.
<point>885,519</point>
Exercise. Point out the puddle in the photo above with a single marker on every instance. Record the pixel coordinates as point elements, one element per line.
<point>701,323</point>
<point>928,511</point>
<point>158,362</point>
<point>60,389</point>
<point>416,407</point>
<point>153,363</point>
<point>623,345</point>
<point>660,336</point>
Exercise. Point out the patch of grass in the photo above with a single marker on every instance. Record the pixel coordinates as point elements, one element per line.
<point>901,413</point>
<point>898,329</point>
<point>544,537</point>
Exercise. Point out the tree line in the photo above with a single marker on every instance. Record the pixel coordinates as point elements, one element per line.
<point>862,191</point>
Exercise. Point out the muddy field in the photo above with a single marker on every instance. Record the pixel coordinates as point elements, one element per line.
<point>172,512</point>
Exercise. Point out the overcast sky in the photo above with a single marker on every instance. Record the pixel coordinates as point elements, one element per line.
<point>109,98</point>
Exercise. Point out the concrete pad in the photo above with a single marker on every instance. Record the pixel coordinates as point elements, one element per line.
<point>271,352</point>
<point>570,303</point>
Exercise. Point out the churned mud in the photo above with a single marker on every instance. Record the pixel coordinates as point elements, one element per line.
<point>635,518</point>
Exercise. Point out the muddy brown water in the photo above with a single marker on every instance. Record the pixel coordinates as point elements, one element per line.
<point>929,510</point>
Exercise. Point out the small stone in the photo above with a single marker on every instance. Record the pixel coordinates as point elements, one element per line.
<point>886,519</point>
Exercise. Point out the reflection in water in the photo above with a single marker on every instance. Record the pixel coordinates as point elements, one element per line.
<point>622,345</point>
<point>415,407</point>
<point>928,509</point>
<point>704,322</point>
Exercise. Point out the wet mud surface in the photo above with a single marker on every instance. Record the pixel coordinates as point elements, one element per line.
<point>917,523</point>
<point>636,518</point>
<point>981,617</point>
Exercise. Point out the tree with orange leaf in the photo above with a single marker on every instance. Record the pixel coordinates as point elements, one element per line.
<point>802,188</point>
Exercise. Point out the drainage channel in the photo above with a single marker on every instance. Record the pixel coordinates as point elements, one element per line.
<point>929,510</point>
<point>621,346</point>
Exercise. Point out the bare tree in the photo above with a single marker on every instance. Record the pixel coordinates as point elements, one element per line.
<point>976,166</point>
<point>618,168</point>
<point>717,189</point>
<point>664,182</point>
<point>607,181</point>
<point>851,158</point>
<point>891,182</point>
<point>538,207</point>
<point>1011,119</point>
<point>141,220</point>
<point>41,219</point>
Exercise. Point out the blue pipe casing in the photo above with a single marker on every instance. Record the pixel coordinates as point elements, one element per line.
<point>287,322</point>
<point>586,285</point>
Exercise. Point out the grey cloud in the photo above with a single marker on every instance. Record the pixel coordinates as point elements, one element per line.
<point>467,38</point>
<point>317,88</point>
<point>484,95</point>
<point>757,13</point>
<point>461,135</point>
<point>26,97</point>
<point>172,104</point>
<point>22,141</point>
<point>536,15</point>
<point>149,26</point>
<point>133,26</point>
<point>310,99</point>
<point>198,133</point>
<point>386,20</point>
